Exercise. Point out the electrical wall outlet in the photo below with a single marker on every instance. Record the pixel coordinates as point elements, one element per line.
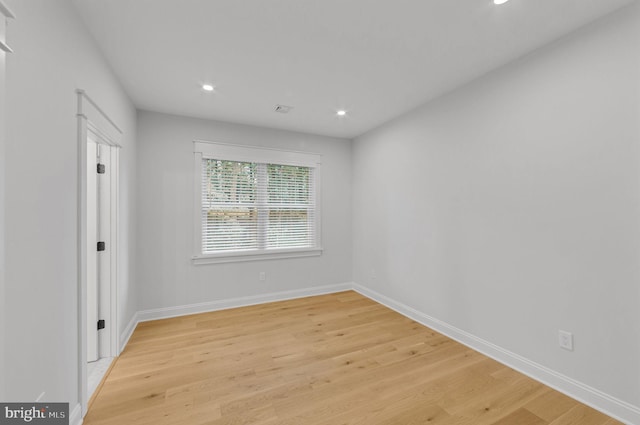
<point>373,274</point>
<point>262,276</point>
<point>565,339</point>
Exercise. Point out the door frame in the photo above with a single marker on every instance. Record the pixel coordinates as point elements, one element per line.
<point>106,229</point>
<point>91,119</point>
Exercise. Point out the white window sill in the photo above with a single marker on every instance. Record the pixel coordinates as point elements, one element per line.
<point>275,254</point>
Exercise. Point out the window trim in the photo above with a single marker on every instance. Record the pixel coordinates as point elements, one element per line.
<point>244,153</point>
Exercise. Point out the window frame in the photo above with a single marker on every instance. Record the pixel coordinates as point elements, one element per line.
<point>244,153</point>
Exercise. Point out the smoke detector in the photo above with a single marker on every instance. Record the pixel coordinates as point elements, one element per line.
<point>283,109</point>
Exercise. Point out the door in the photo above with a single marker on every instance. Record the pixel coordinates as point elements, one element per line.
<point>92,253</point>
<point>106,241</point>
<point>99,249</point>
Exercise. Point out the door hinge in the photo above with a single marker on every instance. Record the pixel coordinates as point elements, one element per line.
<point>102,246</point>
<point>101,169</point>
<point>101,324</point>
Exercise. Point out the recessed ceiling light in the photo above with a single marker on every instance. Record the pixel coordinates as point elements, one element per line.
<point>500,1</point>
<point>207,87</point>
<point>341,113</point>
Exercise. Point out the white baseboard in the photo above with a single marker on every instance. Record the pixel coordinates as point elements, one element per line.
<point>128,331</point>
<point>75,415</point>
<point>165,313</point>
<point>618,409</point>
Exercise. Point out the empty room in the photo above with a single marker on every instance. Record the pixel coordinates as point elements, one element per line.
<point>295,212</point>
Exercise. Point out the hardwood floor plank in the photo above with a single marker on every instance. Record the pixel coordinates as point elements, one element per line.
<point>581,415</point>
<point>521,417</point>
<point>334,359</point>
<point>550,405</point>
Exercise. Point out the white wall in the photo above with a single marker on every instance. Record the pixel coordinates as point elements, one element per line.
<point>166,277</point>
<point>2,204</point>
<point>510,208</point>
<point>54,55</point>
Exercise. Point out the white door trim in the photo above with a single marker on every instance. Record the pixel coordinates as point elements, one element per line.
<point>91,118</point>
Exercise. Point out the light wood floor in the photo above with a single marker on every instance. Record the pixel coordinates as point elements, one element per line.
<point>333,359</point>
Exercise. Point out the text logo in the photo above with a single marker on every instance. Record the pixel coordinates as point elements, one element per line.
<point>34,413</point>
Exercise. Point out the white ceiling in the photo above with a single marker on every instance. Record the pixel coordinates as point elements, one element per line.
<point>375,58</point>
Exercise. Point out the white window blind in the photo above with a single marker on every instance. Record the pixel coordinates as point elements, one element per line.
<point>256,207</point>
<point>290,209</point>
<point>229,206</point>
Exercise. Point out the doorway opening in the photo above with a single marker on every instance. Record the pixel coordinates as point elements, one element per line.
<point>102,160</point>
<point>98,220</point>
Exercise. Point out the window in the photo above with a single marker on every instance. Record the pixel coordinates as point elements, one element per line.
<point>255,203</point>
